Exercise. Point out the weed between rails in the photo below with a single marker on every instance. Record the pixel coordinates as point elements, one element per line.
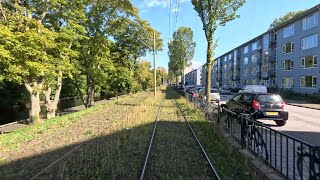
<point>228,164</point>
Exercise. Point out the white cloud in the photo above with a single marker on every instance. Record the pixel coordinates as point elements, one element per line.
<point>175,10</point>
<point>195,65</point>
<point>155,3</point>
<point>162,3</point>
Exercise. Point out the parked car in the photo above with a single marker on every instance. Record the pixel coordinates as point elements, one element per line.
<point>224,90</point>
<point>268,106</point>
<point>196,91</point>
<point>214,94</point>
<point>253,88</point>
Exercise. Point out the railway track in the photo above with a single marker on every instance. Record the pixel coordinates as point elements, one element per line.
<point>152,142</point>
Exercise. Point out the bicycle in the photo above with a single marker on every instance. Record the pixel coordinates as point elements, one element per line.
<point>311,161</point>
<point>252,136</point>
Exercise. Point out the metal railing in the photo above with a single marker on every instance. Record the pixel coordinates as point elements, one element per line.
<point>290,156</point>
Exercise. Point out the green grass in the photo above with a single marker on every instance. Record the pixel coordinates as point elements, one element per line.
<point>12,141</point>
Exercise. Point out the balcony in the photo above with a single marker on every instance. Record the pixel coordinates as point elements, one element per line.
<point>272,74</point>
<point>259,48</point>
<point>272,59</point>
<point>273,43</point>
<point>264,75</point>
<point>238,66</point>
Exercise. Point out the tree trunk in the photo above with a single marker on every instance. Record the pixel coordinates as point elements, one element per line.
<point>51,105</point>
<point>90,97</point>
<point>34,113</point>
<point>209,65</point>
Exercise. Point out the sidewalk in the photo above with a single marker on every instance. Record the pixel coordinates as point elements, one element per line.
<point>302,104</point>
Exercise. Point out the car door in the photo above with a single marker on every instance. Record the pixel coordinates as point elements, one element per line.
<point>233,104</point>
<point>246,102</point>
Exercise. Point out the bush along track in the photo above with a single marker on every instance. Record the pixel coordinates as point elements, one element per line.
<point>107,143</point>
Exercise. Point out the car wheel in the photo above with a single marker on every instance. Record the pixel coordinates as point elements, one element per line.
<point>281,123</point>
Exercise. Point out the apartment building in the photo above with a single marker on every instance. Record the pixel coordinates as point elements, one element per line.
<point>193,77</point>
<point>284,57</point>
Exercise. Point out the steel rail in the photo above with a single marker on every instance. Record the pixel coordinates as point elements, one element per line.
<point>150,144</point>
<point>202,149</point>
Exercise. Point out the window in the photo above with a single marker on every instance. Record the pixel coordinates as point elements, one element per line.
<point>309,42</point>
<point>309,61</point>
<point>245,61</point>
<point>229,74</point>
<point>287,82</point>
<point>225,75</point>
<point>254,70</point>
<point>225,66</point>
<point>288,31</point>
<point>287,65</point>
<point>245,71</point>
<point>230,56</point>
<point>275,37</point>
<point>254,46</point>
<point>265,82</point>
<point>254,82</point>
<point>254,58</point>
<point>288,48</point>
<point>310,22</point>
<point>245,50</point>
<point>275,53</point>
<point>248,97</point>
<point>274,81</point>
<point>225,59</point>
<point>308,81</point>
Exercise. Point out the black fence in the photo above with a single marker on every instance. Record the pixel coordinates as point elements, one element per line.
<point>291,157</point>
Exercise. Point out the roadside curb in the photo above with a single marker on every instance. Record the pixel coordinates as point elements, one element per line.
<point>291,104</point>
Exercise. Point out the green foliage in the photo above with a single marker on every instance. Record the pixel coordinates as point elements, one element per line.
<point>181,50</point>
<point>279,21</point>
<point>212,14</point>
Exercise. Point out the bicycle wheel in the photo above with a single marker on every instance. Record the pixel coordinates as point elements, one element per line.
<point>260,144</point>
<point>307,168</point>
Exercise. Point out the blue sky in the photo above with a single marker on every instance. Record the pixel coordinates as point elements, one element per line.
<point>255,18</point>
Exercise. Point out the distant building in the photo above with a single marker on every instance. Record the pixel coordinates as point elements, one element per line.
<point>193,77</point>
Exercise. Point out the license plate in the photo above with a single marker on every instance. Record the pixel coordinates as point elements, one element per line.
<point>272,113</point>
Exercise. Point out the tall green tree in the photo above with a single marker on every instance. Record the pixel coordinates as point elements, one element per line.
<point>181,50</point>
<point>212,14</point>
<point>289,15</point>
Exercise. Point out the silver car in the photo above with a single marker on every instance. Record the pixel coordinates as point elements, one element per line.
<point>214,94</point>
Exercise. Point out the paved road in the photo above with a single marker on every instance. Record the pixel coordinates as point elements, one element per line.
<point>303,123</point>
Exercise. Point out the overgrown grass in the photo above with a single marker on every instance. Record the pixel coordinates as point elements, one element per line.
<point>228,164</point>
<point>12,141</point>
<point>118,153</point>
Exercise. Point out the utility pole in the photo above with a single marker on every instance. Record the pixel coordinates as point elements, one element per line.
<point>154,64</point>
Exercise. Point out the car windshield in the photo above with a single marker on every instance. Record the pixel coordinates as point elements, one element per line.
<point>214,91</point>
<point>269,98</point>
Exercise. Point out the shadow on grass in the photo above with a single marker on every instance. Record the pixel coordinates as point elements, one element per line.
<point>119,155</point>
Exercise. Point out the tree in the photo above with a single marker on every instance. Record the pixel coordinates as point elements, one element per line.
<point>181,50</point>
<point>212,14</point>
<point>278,21</point>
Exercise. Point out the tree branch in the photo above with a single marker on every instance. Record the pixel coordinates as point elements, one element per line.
<point>43,14</point>
<point>2,12</point>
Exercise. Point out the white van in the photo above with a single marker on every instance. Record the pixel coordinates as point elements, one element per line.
<point>253,88</point>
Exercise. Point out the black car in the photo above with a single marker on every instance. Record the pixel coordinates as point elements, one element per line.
<point>269,106</point>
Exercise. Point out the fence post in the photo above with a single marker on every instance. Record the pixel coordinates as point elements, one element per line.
<point>243,130</point>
